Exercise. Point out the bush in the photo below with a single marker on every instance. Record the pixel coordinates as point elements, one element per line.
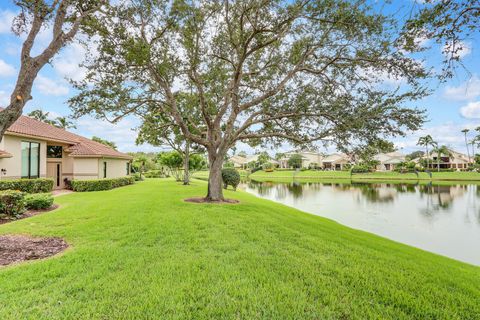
<point>155,174</point>
<point>101,184</point>
<point>12,202</point>
<point>40,185</point>
<point>230,177</point>
<point>38,201</point>
<point>137,176</point>
<point>360,168</point>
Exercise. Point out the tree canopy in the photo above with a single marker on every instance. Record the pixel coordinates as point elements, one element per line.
<point>259,72</point>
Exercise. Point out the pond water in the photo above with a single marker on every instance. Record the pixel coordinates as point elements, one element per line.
<point>444,219</point>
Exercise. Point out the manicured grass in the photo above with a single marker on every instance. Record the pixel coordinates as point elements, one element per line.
<point>140,252</point>
<point>312,174</point>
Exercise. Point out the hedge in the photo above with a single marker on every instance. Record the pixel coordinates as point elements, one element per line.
<point>40,185</point>
<point>101,184</point>
<point>38,201</point>
<point>12,203</point>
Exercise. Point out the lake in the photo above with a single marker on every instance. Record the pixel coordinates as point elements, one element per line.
<point>443,219</point>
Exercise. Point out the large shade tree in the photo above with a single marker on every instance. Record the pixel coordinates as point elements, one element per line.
<point>449,23</point>
<point>63,18</point>
<point>261,72</point>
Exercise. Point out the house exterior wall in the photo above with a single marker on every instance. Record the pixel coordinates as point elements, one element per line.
<point>13,165</point>
<point>85,168</point>
<point>116,168</point>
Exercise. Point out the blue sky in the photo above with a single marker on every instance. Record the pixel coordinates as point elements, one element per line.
<point>454,105</point>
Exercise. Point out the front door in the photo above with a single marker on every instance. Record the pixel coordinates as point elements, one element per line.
<point>54,171</point>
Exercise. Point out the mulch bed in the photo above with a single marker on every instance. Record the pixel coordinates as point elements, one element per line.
<point>205,200</point>
<point>29,213</point>
<point>17,248</point>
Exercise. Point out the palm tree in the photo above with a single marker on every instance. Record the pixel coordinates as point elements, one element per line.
<point>64,123</point>
<point>441,150</point>
<point>39,115</point>
<point>426,141</point>
<point>465,131</point>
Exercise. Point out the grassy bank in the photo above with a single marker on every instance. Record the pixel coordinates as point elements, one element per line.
<point>385,176</point>
<point>140,252</point>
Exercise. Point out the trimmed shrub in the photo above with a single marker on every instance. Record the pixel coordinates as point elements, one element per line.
<point>40,185</point>
<point>101,184</point>
<point>137,176</point>
<point>12,203</point>
<point>38,201</point>
<point>230,177</point>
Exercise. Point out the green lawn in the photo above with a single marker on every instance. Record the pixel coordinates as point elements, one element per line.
<point>311,174</point>
<point>140,252</point>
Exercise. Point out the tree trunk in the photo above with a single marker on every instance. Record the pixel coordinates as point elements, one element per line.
<point>10,114</point>
<point>186,163</point>
<point>215,191</point>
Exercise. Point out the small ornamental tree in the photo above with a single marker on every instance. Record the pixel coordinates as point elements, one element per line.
<point>295,161</point>
<point>259,71</point>
<point>173,160</point>
<point>230,177</point>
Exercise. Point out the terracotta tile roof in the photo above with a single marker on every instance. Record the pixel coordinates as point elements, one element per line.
<point>80,146</point>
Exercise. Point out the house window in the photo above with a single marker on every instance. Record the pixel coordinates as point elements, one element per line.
<point>128,168</point>
<point>54,151</point>
<point>104,169</point>
<point>30,159</point>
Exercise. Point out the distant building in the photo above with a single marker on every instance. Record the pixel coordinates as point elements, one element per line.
<point>335,161</point>
<point>389,161</point>
<point>240,162</point>
<point>456,160</point>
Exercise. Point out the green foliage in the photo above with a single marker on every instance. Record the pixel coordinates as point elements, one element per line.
<point>295,161</point>
<point>110,144</point>
<point>173,160</point>
<point>101,184</point>
<point>156,174</point>
<point>361,168</point>
<point>39,185</point>
<point>197,162</point>
<point>12,203</point>
<point>38,201</point>
<point>415,155</point>
<point>230,177</point>
<point>138,176</point>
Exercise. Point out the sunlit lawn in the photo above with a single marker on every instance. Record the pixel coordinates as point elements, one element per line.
<point>141,252</point>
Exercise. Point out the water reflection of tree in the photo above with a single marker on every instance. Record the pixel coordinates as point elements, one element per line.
<point>296,189</point>
<point>375,192</point>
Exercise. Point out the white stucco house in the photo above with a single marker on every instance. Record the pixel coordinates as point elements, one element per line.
<point>389,161</point>
<point>309,158</point>
<point>240,162</point>
<point>34,149</point>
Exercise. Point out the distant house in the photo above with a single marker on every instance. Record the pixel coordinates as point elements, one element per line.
<point>335,161</point>
<point>456,161</point>
<point>309,159</point>
<point>33,149</point>
<point>389,161</point>
<point>240,162</point>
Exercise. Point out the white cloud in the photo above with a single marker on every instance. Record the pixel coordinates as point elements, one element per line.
<point>448,134</point>
<point>67,64</point>
<point>461,50</point>
<point>471,110</point>
<point>467,91</point>
<point>6,70</point>
<point>122,133</point>
<point>6,19</point>
<point>50,87</point>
